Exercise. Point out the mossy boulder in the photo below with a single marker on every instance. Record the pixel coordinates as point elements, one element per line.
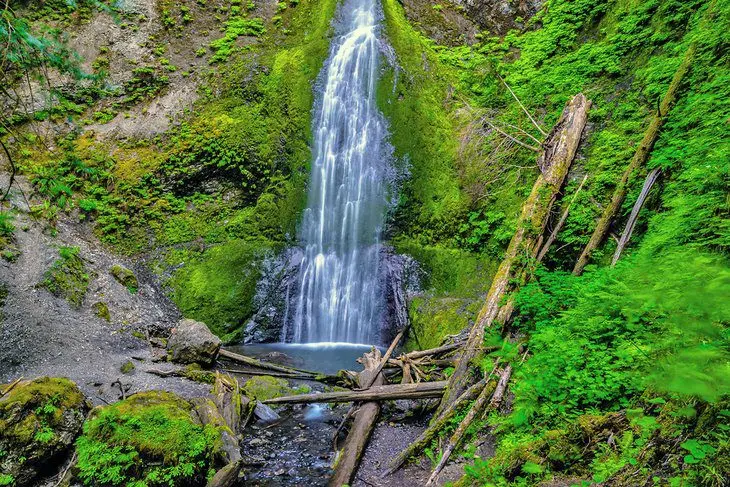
<point>152,438</point>
<point>192,342</point>
<point>39,421</point>
<point>125,277</point>
<point>68,278</point>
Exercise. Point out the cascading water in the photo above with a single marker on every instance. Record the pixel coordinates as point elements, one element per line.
<point>339,297</point>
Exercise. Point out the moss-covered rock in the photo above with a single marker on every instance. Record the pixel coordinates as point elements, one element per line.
<point>151,438</point>
<point>127,367</point>
<point>125,277</point>
<point>266,387</point>
<point>101,309</point>
<point>68,277</point>
<point>39,421</point>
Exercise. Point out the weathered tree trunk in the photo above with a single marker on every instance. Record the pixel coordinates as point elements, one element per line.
<point>434,351</point>
<point>226,476</point>
<point>348,458</point>
<point>558,152</point>
<point>224,410</point>
<point>475,410</point>
<point>424,439</point>
<point>373,375</point>
<point>629,229</point>
<point>374,393</point>
<point>640,157</point>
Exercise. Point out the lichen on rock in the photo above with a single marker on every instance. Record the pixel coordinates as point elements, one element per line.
<point>39,421</point>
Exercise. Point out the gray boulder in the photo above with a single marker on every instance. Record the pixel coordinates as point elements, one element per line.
<point>192,342</point>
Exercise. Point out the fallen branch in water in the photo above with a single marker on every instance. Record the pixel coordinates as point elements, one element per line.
<point>252,362</point>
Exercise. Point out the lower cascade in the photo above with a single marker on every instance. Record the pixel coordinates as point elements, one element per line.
<point>339,296</point>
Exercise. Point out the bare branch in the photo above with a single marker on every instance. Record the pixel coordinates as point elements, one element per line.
<point>522,106</point>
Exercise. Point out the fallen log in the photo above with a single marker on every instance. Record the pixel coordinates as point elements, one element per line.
<point>640,156</point>
<point>263,365</point>
<point>323,378</point>
<point>434,351</point>
<point>375,393</point>
<point>424,439</point>
<point>372,375</point>
<point>559,150</point>
<point>629,229</point>
<point>348,459</point>
<point>476,409</point>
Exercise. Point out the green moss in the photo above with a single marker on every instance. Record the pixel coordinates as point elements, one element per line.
<point>195,373</point>
<point>101,309</point>
<point>3,296</point>
<point>125,277</point>
<point>217,287</point>
<point>265,387</point>
<point>127,367</point>
<point>68,277</point>
<point>46,397</point>
<point>150,439</point>
<point>235,28</point>
<point>38,420</point>
<point>454,281</point>
<point>422,131</point>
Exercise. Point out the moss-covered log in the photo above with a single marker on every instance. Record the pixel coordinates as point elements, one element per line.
<point>640,157</point>
<point>559,150</point>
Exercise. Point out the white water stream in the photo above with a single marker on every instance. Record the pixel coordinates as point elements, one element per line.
<point>339,296</point>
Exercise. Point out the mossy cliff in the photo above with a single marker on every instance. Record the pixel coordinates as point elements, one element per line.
<point>222,187</point>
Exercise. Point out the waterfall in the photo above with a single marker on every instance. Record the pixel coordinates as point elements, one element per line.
<point>339,296</point>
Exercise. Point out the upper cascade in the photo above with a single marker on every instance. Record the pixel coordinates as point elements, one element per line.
<point>339,296</point>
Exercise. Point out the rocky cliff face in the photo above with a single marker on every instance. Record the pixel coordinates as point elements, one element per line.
<point>460,22</point>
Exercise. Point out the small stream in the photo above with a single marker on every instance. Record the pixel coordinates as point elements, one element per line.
<point>297,449</point>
